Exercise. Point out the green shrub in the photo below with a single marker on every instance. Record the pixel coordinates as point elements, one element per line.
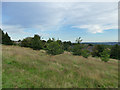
<point>54,48</point>
<point>67,45</point>
<point>77,52</point>
<point>105,55</point>
<point>5,38</point>
<point>115,52</point>
<point>50,40</point>
<point>27,42</point>
<point>97,50</point>
<point>77,49</point>
<point>90,44</point>
<point>85,53</point>
<point>69,49</point>
<point>37,43</point>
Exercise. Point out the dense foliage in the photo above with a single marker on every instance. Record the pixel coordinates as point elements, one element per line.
<point>97,50</point>
<point>67,45</point>
<point>27,42</point>
<point>85,53</point>
<point>115,52</point>
<point>37,43</point>
<point>5,38</point>
<point>54,48</point>
<point>77,49</point>
<point>105,55</point>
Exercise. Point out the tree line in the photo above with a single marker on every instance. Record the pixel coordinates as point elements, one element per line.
<point>5,38</point>
<point>55,47</point>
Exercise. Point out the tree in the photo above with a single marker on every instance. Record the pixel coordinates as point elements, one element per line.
<point>1,36</point>
<point>66,45</point>
<point>27,42</point>
<point>59,41</point>
<point>50,40</point>
<point>90,44</point>
<point>115,52</point>
<point>54,48</point>
<point>97,50</point>
<point>44,44</point>
<point>6,39</point>
<point>77,49</point>
<point>37,43</point>
<point>78,40</point>
<point>85,53</point>
<point>105,55</point>
<point>19,40</point>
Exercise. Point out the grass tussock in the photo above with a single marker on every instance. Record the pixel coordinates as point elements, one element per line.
<point>27,68</point>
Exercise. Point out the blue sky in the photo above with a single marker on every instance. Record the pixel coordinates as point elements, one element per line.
<point>94,22</point>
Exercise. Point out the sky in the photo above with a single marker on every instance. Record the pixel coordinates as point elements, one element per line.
<point>92,21</point>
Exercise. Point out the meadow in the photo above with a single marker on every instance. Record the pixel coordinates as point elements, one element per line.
<point>27,68</point>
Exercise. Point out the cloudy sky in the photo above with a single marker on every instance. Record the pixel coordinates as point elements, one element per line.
<point>93,21</point>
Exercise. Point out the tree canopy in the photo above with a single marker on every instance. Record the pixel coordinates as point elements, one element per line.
<point>5,38</point>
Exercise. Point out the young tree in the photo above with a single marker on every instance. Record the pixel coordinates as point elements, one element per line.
<point>44,45</point>
<point>67,45</point>
<point>90,44</point>
<point>1,36</point>
<point>115,52</point>
<point>85,53</point>
<point>59,41</point>
<point>78,40</point>
<point>37,43</point>
<point>50,40</point>
<point>6,39</point>
<point>77,49</point>
<point>97,50</point>
<point>54,48</point>
<point>105,55</point>
<point>27,42</point>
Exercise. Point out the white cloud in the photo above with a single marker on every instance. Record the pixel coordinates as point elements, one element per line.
<point>95,28</point>
<point>96,17</point>
<point>13,29</point>
<point>99,16</point>
<point>49,16</point>
<point>17,31</point>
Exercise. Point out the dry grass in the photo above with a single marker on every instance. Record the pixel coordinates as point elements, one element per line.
<point>27,68</point>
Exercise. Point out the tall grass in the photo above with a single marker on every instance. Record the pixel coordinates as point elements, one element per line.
<point>27,68</point>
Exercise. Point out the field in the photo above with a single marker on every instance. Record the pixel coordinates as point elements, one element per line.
<point>27,68</point>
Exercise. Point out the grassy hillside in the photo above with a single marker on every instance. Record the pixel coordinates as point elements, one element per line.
<point>27,68</point>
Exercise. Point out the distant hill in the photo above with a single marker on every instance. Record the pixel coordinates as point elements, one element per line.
<point>102,43</point>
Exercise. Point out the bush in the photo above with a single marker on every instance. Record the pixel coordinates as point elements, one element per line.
<point>85,53</point>
<point>97,50</point>
<point>27,42</point>
<point>54,48</point>
<point>67,46</point>
<point>37,43</point>
<point>50,40</point>
<point>115,52</point>
<point>5,38</point>
<point>69,49</point>
<point>105,55</point>
<point>77,49</point>
<point>90,44</point>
